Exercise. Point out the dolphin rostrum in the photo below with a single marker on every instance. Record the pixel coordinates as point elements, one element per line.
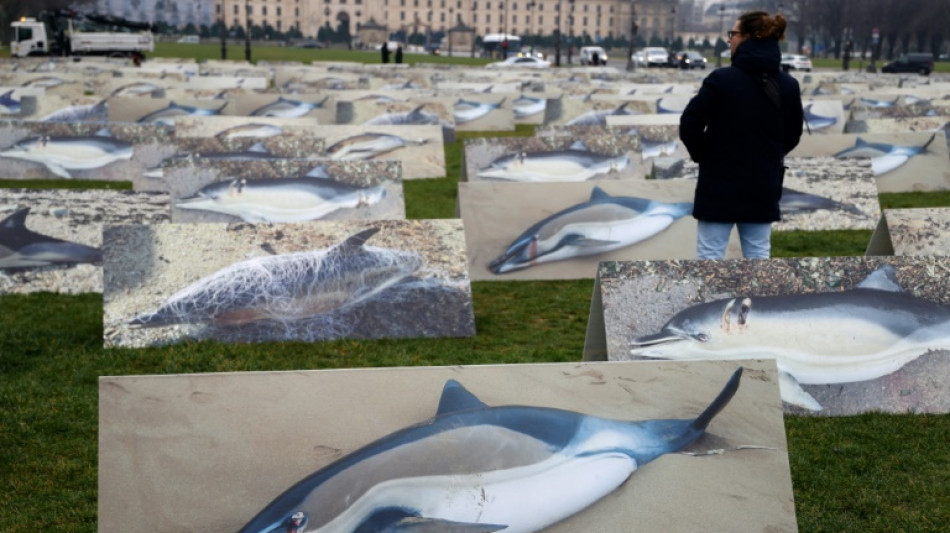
<point>288,287</point>
<point>602,224</point>
<point>64,154</point>
<point>281,199</point>
<point>556,165</point>
<point>818,338</point>
<point>884,156</point>
<point>474,468</point>
<point>22,248</point>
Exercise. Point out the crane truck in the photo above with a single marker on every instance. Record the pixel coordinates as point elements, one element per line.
<point>65,32</point>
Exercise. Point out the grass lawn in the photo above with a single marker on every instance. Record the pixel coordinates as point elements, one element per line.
<point>870,473</point>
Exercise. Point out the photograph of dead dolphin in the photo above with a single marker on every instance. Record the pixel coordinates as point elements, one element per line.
<point>312,281</point>
<point>556,448</point>
<point>596,156</point>
<point>161,111</point>
<point>849,335</point>
<point>418,148</point>
<point>50,239</point>
<point>96,151</point>
<point>284,190</point>
<point>519,231</point>
<point>415,112</point>
<point>918,231</point>
<point>902,162</point>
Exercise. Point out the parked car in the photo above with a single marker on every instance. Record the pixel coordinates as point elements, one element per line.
<point>656,57</point>
<point>690,59</point>
<point>639,59</point>
<point>189,39</point>
<point>795,62</point>
<point>919,63</point>
<point>520,62</point>
<point>589,52</point>
<point>310,44</point>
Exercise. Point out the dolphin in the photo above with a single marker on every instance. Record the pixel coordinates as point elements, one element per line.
<point>602,224</point>
<point>46,82</point>
<point>556,165</point>
<point>63,155</point>
<point>417,116</point>
<point>287,108</point>
<point>22,248</point>
<point>469,469</point>
<point>138,88</point>
<point>252,130</point>
<point>884,157</point>
<point>288,287</point>
<point>281,199</point>
<point>876,103</point>
<point>8,104</point>
<point>860,334</point>
<point>468,110</point>
<point>599,117</point>
<point>169,113</point>
<point>368,145</point>
<point>796,202</point>
<point>258,152</point>
<point>97,112</point>
<point>526,106</point>
<point>818,122</point>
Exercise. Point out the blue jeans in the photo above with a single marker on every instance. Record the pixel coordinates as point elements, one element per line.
<point>713,237</point>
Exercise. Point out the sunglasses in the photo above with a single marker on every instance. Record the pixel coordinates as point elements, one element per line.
<point>732,33</point>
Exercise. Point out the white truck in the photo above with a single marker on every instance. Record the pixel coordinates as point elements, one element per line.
<point>67,33</point>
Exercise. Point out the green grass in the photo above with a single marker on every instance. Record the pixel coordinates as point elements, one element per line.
<point>871,473</point>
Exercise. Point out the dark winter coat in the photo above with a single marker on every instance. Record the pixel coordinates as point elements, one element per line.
<point>732,128</point>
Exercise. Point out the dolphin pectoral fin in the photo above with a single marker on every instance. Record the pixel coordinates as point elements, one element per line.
<point>434,525</point>
<point>794,394</point>
<point>58,170</point>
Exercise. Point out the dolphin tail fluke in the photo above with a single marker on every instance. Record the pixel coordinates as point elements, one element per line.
<point>728,391</point>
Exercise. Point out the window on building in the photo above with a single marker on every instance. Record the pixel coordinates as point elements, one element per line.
<point>475,5</point>
<point>217,9</point>
<point>442,17</point>
<point>402,3</point>
<point>278,25</point>
<point>264,10</point>
<point>540,20</point>
<point>402,15</point>
<point>250,9</point>
<point>585,20</point>
<point>415,3</point>
<point>235,9</point>
<point>488,18</point>
<point>514,5</point>
<point>297,12</point>
<point>474,17</point>
<point>279,11</point>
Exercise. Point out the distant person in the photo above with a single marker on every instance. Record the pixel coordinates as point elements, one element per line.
<point>738,127</point>
<point>385,51</point>
<point>595,59</point>
<point>848,46</point>
<point>398,54</point>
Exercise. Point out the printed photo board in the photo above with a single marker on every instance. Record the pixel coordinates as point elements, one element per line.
<point>51,239</point>
<point>310,281</point>
<point>419,148</point>
<point>167,442</point>
<point>371,113</point>
<point>902,162</point>
<point>595,156</point>
<point>522,231</point>
<point>161,111</point>
<point>318,107</point>
<point>284,190</point>
<point>584,111</point>
<point>850,335</point>
<point>919,231</point>
<point>92,151</point>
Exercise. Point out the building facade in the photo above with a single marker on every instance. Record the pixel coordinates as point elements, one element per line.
<point>594,18</point>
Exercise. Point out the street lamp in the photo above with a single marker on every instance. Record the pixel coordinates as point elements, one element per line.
<point>247,30</point>
<point>570,29</point>
<point>224,37</point>
<point>504,31</point>
<point>451,25</point>
<point>722,16</point>
<point>557,37</point>
<point>631,65</point>
<point>529,7</point>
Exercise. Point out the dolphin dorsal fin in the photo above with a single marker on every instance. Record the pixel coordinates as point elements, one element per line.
<point>259,148</point>
<point>355,242</point>
<point>578,145</point>
<point>456,398</point>
<point>884,278</point>
<point>599,194</point>
<point>16,220</point>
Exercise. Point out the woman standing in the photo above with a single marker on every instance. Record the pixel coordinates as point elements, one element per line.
<point>738,127</point>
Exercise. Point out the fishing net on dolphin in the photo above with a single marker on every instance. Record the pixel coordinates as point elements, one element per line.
<point>305,295</point>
